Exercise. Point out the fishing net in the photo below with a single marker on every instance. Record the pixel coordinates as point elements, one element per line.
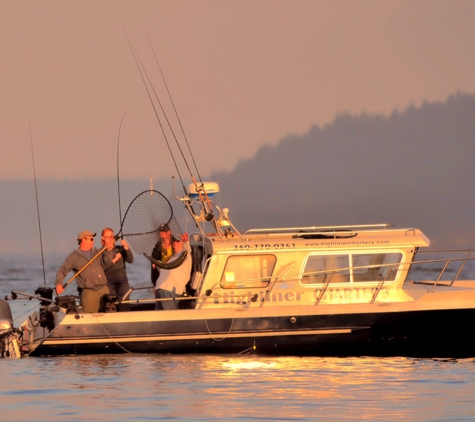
<point>146,212</point>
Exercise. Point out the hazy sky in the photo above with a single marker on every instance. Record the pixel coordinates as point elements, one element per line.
<point>242,74</point>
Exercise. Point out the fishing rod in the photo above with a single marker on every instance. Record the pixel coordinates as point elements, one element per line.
<point>204,198</point>
<point>37,206</point>
<point>207,206</point>
<point>118,178</point>
<point>174,108</point>
<point>188,202</point>
<point>205,201</point>
<point>142,72</point>
<point>170,127</point>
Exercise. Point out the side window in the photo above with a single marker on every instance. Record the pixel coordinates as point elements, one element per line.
<point>245,271</point>
<point>369,267</point>
<point>375,267</point>
<point>321,268</point>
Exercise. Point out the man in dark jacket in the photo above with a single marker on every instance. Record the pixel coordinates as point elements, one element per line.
<point>119,254</point>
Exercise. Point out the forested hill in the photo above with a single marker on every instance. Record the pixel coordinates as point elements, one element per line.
<point>414,168</point>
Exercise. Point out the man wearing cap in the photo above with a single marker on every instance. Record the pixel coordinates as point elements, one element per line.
<point>92,282</point>
<point>162,251</point>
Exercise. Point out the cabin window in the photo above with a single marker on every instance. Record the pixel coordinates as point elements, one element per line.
<point>375,267</point>
<point>369,267</point>
<point>245,271</point>
<point>321,268</point>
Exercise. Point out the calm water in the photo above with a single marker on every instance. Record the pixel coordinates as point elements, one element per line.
<point>223,387</point>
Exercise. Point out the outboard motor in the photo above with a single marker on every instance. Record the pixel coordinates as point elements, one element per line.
<point>47,293</point>
<point>6,318</point>
<point>46,317</point>
<point>9,336</point>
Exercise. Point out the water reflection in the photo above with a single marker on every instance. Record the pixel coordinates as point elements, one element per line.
<point>364,388</point>
<point>134,387</point>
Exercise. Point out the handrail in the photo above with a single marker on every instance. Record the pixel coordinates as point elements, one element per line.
<point>447,262</point>
<point>432,251</point>
<point>381,283</point>
<point>283,278</point>
<point>316,228</point>
<point>461,268</point>
<point>325,286</point>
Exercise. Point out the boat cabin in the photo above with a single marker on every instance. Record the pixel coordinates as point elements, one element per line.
<point>303,266</point>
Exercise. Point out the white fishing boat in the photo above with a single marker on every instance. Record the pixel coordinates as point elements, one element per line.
<point>326,291</point>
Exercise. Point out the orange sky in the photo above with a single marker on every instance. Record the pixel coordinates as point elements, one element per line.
<point>242,74</point>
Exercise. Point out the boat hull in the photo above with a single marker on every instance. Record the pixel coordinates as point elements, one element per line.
<point>413,333</point>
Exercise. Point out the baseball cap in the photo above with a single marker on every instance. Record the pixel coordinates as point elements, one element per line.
<point>163,227</point>
<point>85,233</point>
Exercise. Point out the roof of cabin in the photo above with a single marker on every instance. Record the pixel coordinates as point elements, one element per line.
<point>328,237</point>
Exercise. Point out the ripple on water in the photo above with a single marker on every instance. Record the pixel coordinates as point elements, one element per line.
<point>142,387</point>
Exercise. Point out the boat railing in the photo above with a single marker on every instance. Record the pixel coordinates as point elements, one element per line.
<point>324,289</point>
<point>446,262</point>
<point>149,300</point>
<point>328,276</point>
<point>206,296</point>
<point>124,299</point>
<point>274,280</point>
<point>271,283</point>
<point>394,267</point>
